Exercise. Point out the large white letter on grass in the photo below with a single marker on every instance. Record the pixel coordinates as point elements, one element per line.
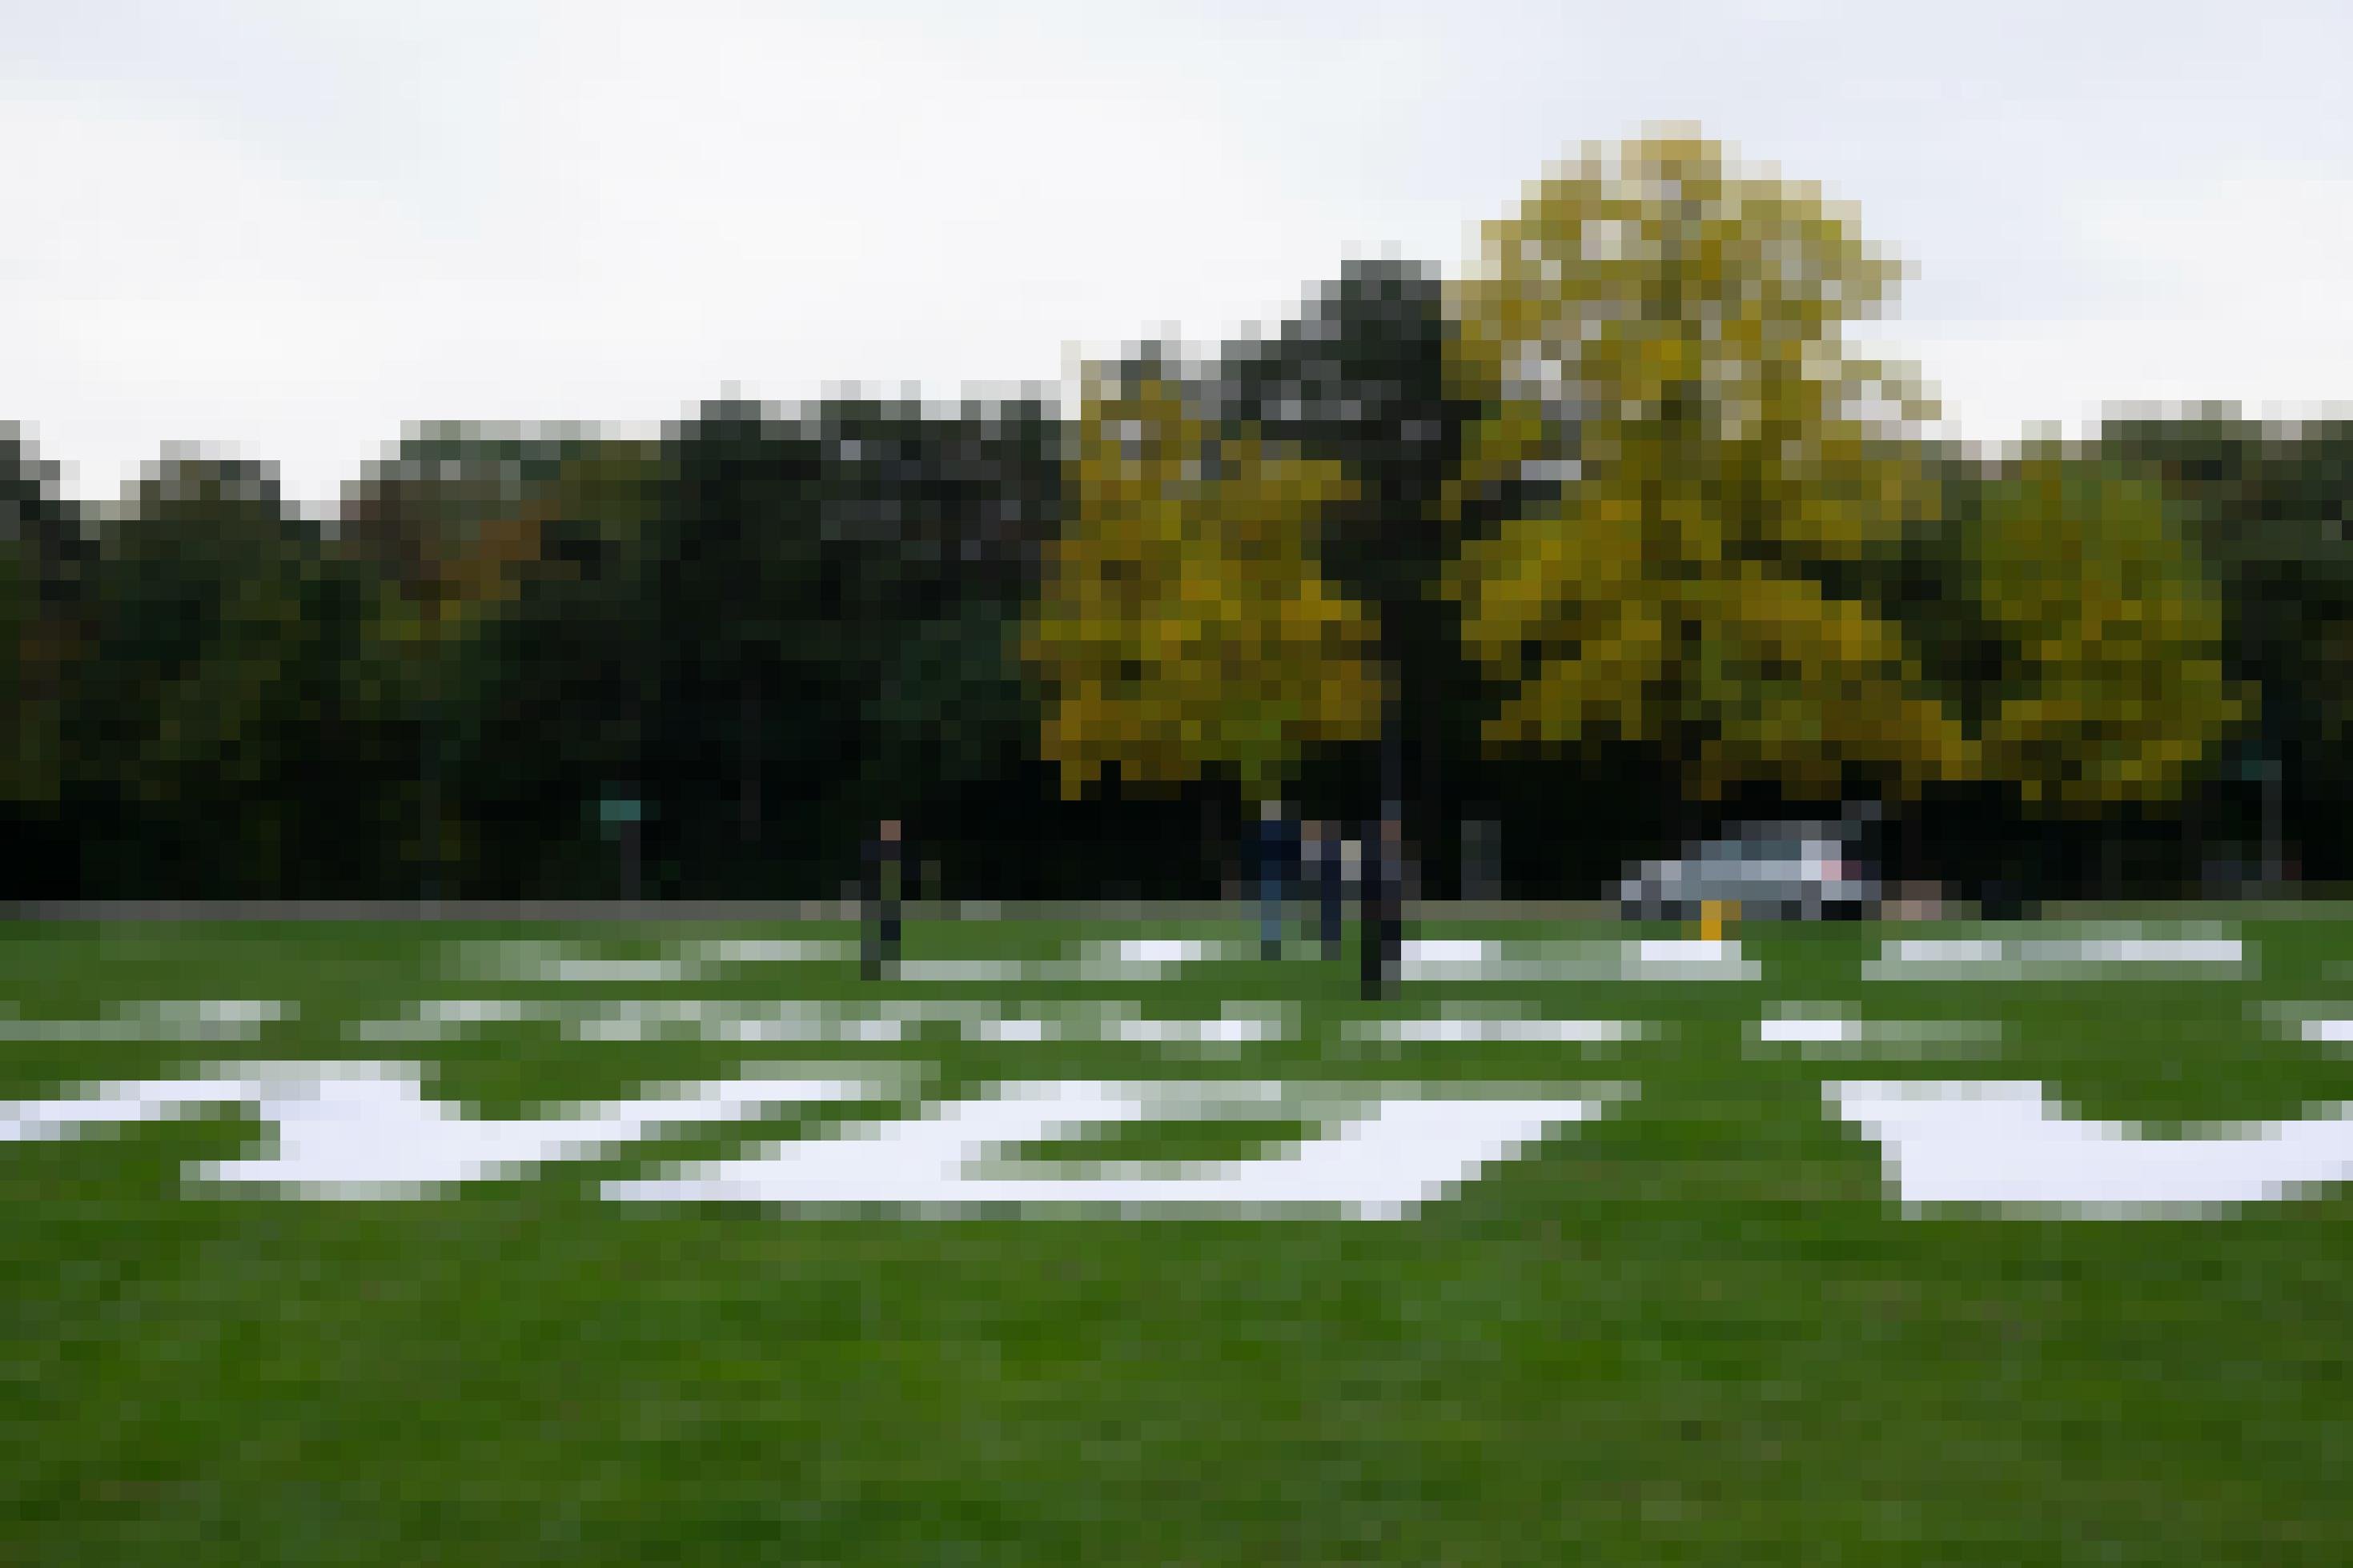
<point>2007,1144</point>
<point>365,1129</point>
<point>1380,1158</point>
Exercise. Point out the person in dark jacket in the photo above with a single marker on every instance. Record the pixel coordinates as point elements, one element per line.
<point>1323,858</point>
<point>1376,894</point>
<point>886,875</point>
<point>1393,872</point>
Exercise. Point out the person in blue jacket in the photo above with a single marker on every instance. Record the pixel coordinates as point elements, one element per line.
<point>1274,855</point>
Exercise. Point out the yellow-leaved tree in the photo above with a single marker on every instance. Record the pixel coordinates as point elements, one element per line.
<point>1660,332</point>
<point>2116,691</point>
<point>1182,624</point>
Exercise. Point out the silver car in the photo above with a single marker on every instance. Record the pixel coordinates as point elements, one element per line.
<point>1783,871</point>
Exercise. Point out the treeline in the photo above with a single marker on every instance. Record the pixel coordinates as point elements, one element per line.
<point>1608,539</point>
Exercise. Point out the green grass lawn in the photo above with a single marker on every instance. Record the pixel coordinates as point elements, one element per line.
<point>1697,1328</point>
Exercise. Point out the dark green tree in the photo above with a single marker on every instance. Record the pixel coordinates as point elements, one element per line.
<point>1362,377</point>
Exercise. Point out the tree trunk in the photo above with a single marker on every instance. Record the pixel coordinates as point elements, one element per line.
<point>2193,838</point>
<point>1216,851</point>
<point>748,760</point>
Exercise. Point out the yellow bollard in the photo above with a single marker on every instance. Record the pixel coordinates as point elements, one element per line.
<point>1711,920</point>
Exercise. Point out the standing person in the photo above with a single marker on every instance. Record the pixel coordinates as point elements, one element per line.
<point>1323,878</point>
<point>1311,871</point>
<point>1275,850</point>
<point>1392,898</point>
<point>1371,904</point>
<point>886,877</point>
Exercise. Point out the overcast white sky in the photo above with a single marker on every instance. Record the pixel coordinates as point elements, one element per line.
<point>286,227</point>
